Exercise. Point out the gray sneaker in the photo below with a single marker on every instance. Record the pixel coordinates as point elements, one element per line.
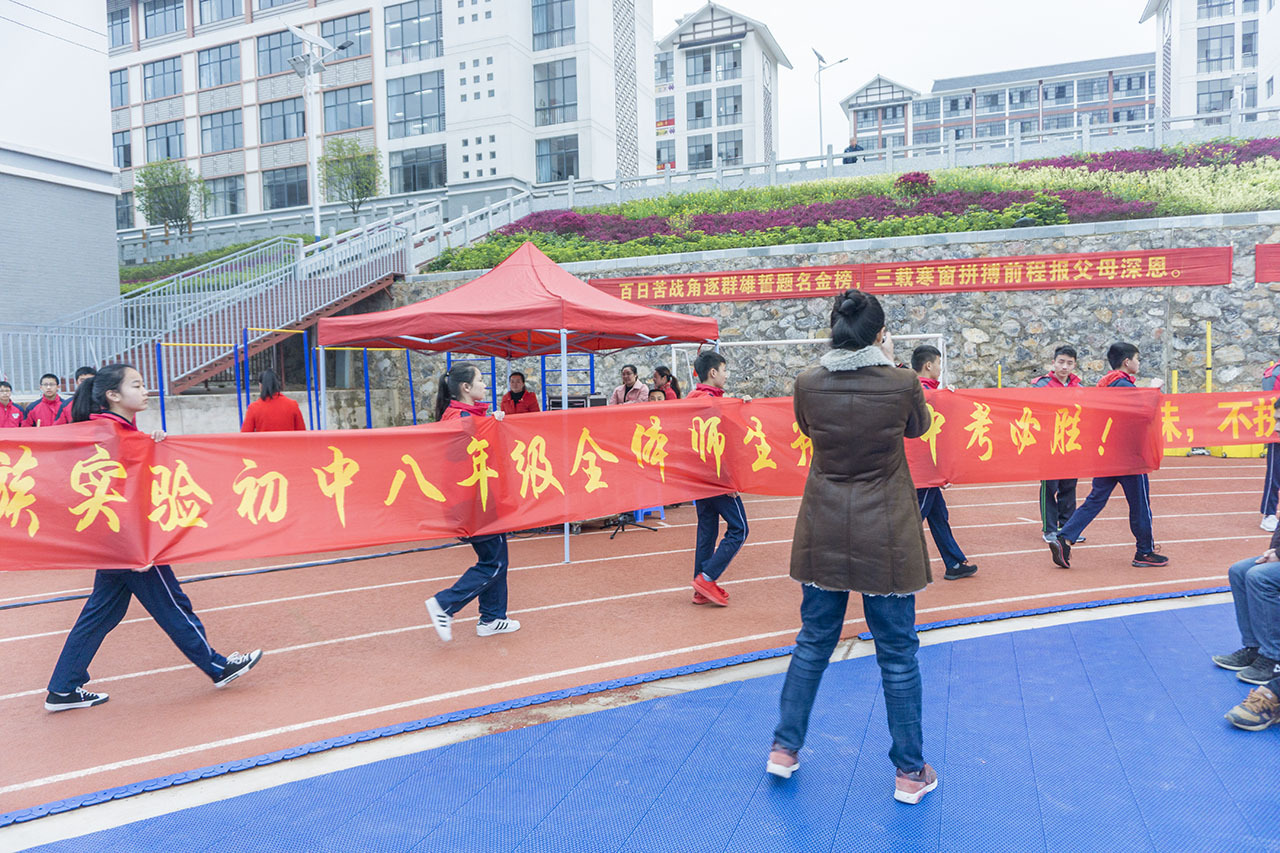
<point>1237,660</point>
<point>1262,670</point>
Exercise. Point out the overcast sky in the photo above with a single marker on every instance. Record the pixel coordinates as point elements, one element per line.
<point>913,42</point>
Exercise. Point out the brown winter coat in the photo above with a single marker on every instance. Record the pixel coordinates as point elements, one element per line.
<point>859,523</point>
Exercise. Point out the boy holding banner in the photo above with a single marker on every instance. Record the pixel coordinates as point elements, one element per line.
<point>1058,497</point>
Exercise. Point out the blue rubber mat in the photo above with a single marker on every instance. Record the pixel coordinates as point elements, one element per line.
<point>1104,735</point>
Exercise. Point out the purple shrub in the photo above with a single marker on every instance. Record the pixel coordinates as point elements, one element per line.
<point>1154,159</point>
<point>914,183</point>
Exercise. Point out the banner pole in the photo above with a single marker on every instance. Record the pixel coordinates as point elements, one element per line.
<point>1175,381</point>
<point>408,366</point>
<point>368,405</point>
<point>1208,356</point>
<point>322,402</point>
<point>164,424</point>
<point>999,375</point>
<point>564,407</point>
<point>235,362</point>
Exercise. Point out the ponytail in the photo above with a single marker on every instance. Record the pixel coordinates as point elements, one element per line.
<point>91,397</point>
<point>666,374</point>
<point>451,382</point>
<point>270,384</point>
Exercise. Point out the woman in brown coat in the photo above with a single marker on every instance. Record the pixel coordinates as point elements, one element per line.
<point>858,530</point>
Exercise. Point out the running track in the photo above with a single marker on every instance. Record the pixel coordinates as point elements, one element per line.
<point>348,647</point>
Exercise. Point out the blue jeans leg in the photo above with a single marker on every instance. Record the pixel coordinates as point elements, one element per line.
<point>933,509</point>
<point>1088,511</point>
<point>821,619</point>
<point>488,575</point>
<point>1137,491</point>
<point>1262,591</point>
<point>891,620</point>
<point>710,510</point>
<point>1271,485</point>
<point>1240,598</point>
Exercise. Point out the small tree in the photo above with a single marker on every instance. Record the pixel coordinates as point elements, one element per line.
<point>350,173</point>
<point>169,193</point>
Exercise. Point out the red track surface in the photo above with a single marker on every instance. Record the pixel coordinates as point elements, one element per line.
<point>348,646</point>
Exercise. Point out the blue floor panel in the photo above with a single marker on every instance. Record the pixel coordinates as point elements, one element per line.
<point>1103,735</point>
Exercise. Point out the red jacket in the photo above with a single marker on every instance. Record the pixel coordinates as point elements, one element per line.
<point>457,410</point>
<point>45,412</point>
<point>1051,380</point>
<point>669,392</point>
<point>528,403</point>
<point>274,414</point>
<point>10,416</point>
<point>701,390</point>
<point>931,384</point>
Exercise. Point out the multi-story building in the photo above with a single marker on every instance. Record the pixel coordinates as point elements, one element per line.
<point>482,95</point>
<point>1269,60</point>
<point>1050,97</point>
<point>715,91</point>
<point>1208,53</point>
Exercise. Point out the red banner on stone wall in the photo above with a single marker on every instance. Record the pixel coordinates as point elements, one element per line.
<point>1199,266</point>
<point>1266,263</point>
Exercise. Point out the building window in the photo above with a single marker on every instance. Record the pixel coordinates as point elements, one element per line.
<point>697,66</point>
<point>1129,86</point>
<point>162,79</point>
<point>122,148</point>
<point>226,196</point>
<point>1057,93</point>
<point>990,128</point>
<point>162,17</point>
<point>729,105</point>
<point>895,114</point>
<point>967,132</point>
<point>345,109</point>
<point>164,141</point>
<point>1023,98</point>
<point>729,61</point>
<point>1213,95</point>
<point>552,23</point>
<point>414,31</point>
<point>958,105</point>
<point>926,110</point>
<point>219,65</point>
<point>120,88</point>
<point>284,187</point>
<point>557,159</point>
<point>664,111</point>
<point>124,210</point>
<point>1215,8</point>
<point>1215,48</point>
<point>555,92</point>
<point>280,120</point>
<point>1128,115</point>
<point>1249,44</point>
<point>666,154</point>
<point>990,102</point>
<point>418,169</point>
<point>220,132</point>
<point>271,4</point>
<point>1093,89</point>
<point>1248,6</point>
<point>1024,126</point>
<point>700,152</point>
<point>118,30</point>
<point>664,68</point>
<point>1271,86</point>
<point>698,109</point>
<point>1057,122</point>
<point>415,104</point>
<point>219,10</point>
<point>352,27</point>
<point>925,137</point>
<point>729,148</point>
<point>274,51</point>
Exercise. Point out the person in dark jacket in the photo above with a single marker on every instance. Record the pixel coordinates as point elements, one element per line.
<point>859,531</point>
<point>1058,497</point>
<point>850,156</point>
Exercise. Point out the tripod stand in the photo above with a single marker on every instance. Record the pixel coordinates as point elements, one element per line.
<point>625,520</point>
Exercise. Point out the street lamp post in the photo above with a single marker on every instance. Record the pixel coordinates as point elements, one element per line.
<point>823,65</point>
<point>308,65</point>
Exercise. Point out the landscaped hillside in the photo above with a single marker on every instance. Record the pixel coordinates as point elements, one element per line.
<point>1215,177</point>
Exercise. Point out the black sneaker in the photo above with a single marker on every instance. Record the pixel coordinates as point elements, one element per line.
<point>1079,539</point>
<point>1237,660</point>
<point>1262,670</point>
<point>238,663</point>
<point>78,698</point>
<point>1060,550</point>
<point>961,570</point>
<point>1150,559</point>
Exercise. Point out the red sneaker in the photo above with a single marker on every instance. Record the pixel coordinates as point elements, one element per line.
<point>699,598</point>
<point>910,788</point>
<point>710,590</point>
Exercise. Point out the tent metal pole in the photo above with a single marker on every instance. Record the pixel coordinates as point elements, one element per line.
<point>564,407</point>
<point>324,395</point>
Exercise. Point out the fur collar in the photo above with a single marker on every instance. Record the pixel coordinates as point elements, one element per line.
<point>843,359</point>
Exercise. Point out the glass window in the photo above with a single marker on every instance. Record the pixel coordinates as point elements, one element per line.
<point>1129,86</point>
<point>162,79</point>
<point>1215,8</point>
<point>1129,114</point>
<point>557,159</point>
<point>664,111</point>
<point>1059,122</point>
<point>729,61</point>
<point>271,4</point>
<point>962,133</point>
<point>698,109</point>
<point>274,51</point>
<point>926,109</point>
<point>1249,44</point>
<point>664,68</point>
<point>414,31</point>
<point>345,109</point>
<point>219,65</point>
<point>1023,98</point>
<point>1215,48</point>
<point>1248,6</point>
<point>1058,93</point>
<point>162,17</point>
<point>1213,95</point>
<point>1093,89</point>
<point>555,92</point>
<point>118,30</point>
<point>220,132</point>
<point>553,22</point>
<point>284,187</point>
<point>991,102</point>
<point>226,196</point>
<point>418,169</point>
<point>124,210</point>
<point>990,128</point>
<point>415,104</point>
<point>120,88</point>
<point>354,28</point>
<point>925,137</point>
<point>868,116</point>
<point>729,148</point>
<point>280,120</point>
<point>957,105</point>
<point>729,105</point>
<point>122,147</point>
<point>164,141</point>
<point>1026,125</point>
<point>697,66</point>
<point>1271,86</point>
<point>700,152</point>
<point>219,10</point>
<point>666,154</point>
<point>895,114</point>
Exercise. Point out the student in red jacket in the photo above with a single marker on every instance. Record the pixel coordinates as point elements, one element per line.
<point>518,400</point>
<point>665,382</point>
<point>272,411</point>
<point>51,409</point>
<point>1058,497</point>
<point>10,412</point>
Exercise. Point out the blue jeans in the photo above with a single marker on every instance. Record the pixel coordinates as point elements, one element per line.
<point>933,509</point>
<point>1137,491</point>
<point>891,619</point>
<point>1255,591</point>
<point>162,596</point>
<point>486,580</point>
<point>707,558</point>
<point>1271,485</point>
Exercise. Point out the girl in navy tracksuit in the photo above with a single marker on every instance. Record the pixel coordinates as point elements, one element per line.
<point>117,394</point>
<point>461,395</point>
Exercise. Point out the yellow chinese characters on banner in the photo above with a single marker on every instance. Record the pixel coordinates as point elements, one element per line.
<point>176,498</point>
<point>262,497</point>
<point>17,489</point>
<point>587,456</point>
<point>92,478</point>
<point>334,480</point>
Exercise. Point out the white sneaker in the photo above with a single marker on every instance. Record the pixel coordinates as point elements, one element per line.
<point>497,626</point>
<point>440,620</point>
<point>1269,523</point>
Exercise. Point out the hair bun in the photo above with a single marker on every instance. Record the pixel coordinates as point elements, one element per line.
<point>851,303</point>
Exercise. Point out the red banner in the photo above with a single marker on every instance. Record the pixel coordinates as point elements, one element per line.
<point>92,496</point>
<point>1205,420</point>
<point>1201,266</point>
<point>1266,263</point>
